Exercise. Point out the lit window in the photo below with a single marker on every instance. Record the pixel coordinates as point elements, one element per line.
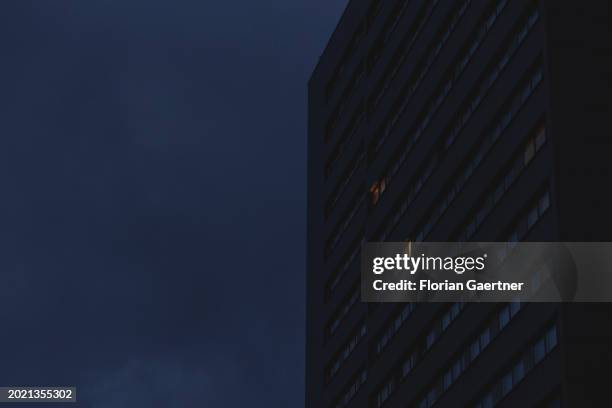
<point>377,189</point>
<point>374,193</point>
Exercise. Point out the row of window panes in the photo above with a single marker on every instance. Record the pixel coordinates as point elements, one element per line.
<point>349,393</point>
<point>536,210</point>
<point>402,52</point>
<point>386,391</point>
<point>343,144</point>
<point>390,25</point>
<point>353,84</point>
<point>485,143</point>
<point>376,190</point>
<point>433,334</point>
<point>394,326</point>
<point>413,188</point>
<point>340,69</point>
<point>343,226</point>
<point>341,270</point>
<point>460,64</point>
<point>425,65</point>
<point>342,311</point>
<point>346,350</point>
<point>362,27</point>
<point>345,180</point>
<point>521,367</point>
<point>510,48</point>
<point>472,350</point>
<point>503,183</point>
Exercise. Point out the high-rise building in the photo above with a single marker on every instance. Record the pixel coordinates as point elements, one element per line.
<point>457,120</point>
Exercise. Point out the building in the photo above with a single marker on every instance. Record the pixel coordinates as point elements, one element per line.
<point>456,120</point>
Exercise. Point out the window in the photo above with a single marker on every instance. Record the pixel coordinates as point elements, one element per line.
<point>485,338</point>
<point>551,338</point>
<point>544,203</point>
<point>470,352</point>
<point>518,372</point>
<point>343,310</point>
<point>385,392</point>
<point>409,364</point>
<point>539,350</point>
<point>514,307</point>
<point>475,349</point>
<point>448,379</point>
<point>504,317</point>
<point>488,401</point>
<point>446,319</point>
<point>343,266</point>
<point>425,341</point>
<point>529,151</point>
<point>532,217</point>
<point>523,224</point>
<point>344,223</point>
<point>394,326</point>
<point>431,338</point>
<point>501,184</point>
<point>377,189</point>
<point>348,136</point>
<point>540,137</point>
<point>506,384</point>
<point>352,389</point>
<point>345,180</point>
<point>523,364</point>
<point>346,350</point>
<point>424,65</point>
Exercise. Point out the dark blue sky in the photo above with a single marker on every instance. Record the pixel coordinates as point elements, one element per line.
<point>152,169</point>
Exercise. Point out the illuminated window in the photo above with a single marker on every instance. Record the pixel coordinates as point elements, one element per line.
<point>377,189</point>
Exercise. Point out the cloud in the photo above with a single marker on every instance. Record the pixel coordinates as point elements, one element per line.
<point>152,383</point>
<point>153,181</point>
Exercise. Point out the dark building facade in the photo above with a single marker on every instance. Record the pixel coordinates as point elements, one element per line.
<point>457,120</point>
